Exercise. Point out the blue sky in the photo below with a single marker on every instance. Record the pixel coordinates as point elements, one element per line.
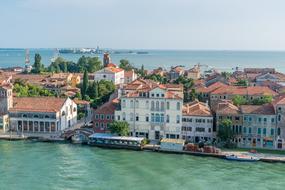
<point>144,24</point>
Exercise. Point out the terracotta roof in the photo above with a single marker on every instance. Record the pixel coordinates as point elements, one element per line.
<point>107,108</point>
<point>211,88</point>
<point>114,69</point>
<point>227,108</point>
<point>251,90</point>
<point>81,102</point>
<point>266,109</point>
<point>196,108</point>
<point>37,104</point>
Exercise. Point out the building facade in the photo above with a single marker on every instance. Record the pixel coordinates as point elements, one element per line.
<point>153,113</point>
<point>113,74</point>
<point>42,115</point>
<point>197,123</point>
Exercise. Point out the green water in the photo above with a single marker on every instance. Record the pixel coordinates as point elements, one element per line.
<point>40,166</point>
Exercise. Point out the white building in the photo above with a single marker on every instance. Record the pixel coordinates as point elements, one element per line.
<point>153,111</point>
<point>42,114</point>
<point>197,122</point>
<point>116,75</point>
<point>130,76</point>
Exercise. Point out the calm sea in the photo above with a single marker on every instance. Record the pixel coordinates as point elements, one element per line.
<point>45,166</point>
<point>222,60</point>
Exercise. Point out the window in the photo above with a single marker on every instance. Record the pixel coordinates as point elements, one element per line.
<point>249,130</point>
<point>278,131</point>
<point>167,119</point>
<point>123,103</point>
<point>107,117</point>
<point>157,105</point>
<point>244,129</point>
<point>124,116</point>
<point>152,105</point>
<point>264,131</point>
<point>157,118</point>
<point>162,95</point>
<point>259,131</point>
<point>237,118</point>
<point>162,106</point>
<point>162,118</point>
<point>157,95</point>
<point>147,104</point>
<point>101,116</point>
<point>137,104</point>
<point>132,104</point>
<point>147,118</point>
<point>152,95</point>
<point>279,117</point>
<point>272,132</point>
<point>264,120</point>
<point>131,116</point>
<point>178,119</point>
<point>167,105</point>
<point>178,105</point>
<point>209,130</point>
<point>272,120</point>
<point>137,117</point>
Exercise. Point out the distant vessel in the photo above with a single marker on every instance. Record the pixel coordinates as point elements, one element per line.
<point>82,51</point>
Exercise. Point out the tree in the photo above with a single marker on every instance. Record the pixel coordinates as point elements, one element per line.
<point>84,85</point>
<point>38,67</point>
<point>262,100</point>
<point>242,82</point>
<point>239,100</point>
<point>226,75</point>
<point>126,65</point>
<point>120,128</point>
<point>225,132</point>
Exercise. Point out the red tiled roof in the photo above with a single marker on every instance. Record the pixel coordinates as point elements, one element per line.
<point>251,90</point>
<point>37,104</point>
<point>266,109</point>
<point>107,108</point>
<point>81,102</point>
<point>197,108</point>
<point>112,65</point>
<point>227,108</point>
<point>211,88</point>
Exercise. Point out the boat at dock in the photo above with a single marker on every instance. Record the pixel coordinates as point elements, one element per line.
<point>242,158</point>
<point>110,141</point>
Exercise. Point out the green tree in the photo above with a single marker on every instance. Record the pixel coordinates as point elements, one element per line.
<point>239,100</point>
<point>119,128</point>
<point>126,65</point>
<point>38,67</point>
<point>225,132</point>
<point>226,75</point>
<point>262,100</point>
<point>242,82</point>
<point>84,85</point>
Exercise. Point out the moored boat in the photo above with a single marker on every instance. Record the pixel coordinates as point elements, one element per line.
<point>110,141</point>
<point>242,158</point>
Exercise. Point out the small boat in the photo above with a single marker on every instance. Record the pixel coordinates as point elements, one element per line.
<point>242,158</point>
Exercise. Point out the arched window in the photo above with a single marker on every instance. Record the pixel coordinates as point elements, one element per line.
<point>162,118</point>
<point>278,131</point>
<point>162,106</point>
<point>63,113</point>
<point>157,118</point>
<point>272,132</point>
<point>24,115</point>
<point>132,104</point>
<point>152,105</point>
<point>36,116</point>
<point>124,116</point>
<point>157,105</point>
<point>46,116</point>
